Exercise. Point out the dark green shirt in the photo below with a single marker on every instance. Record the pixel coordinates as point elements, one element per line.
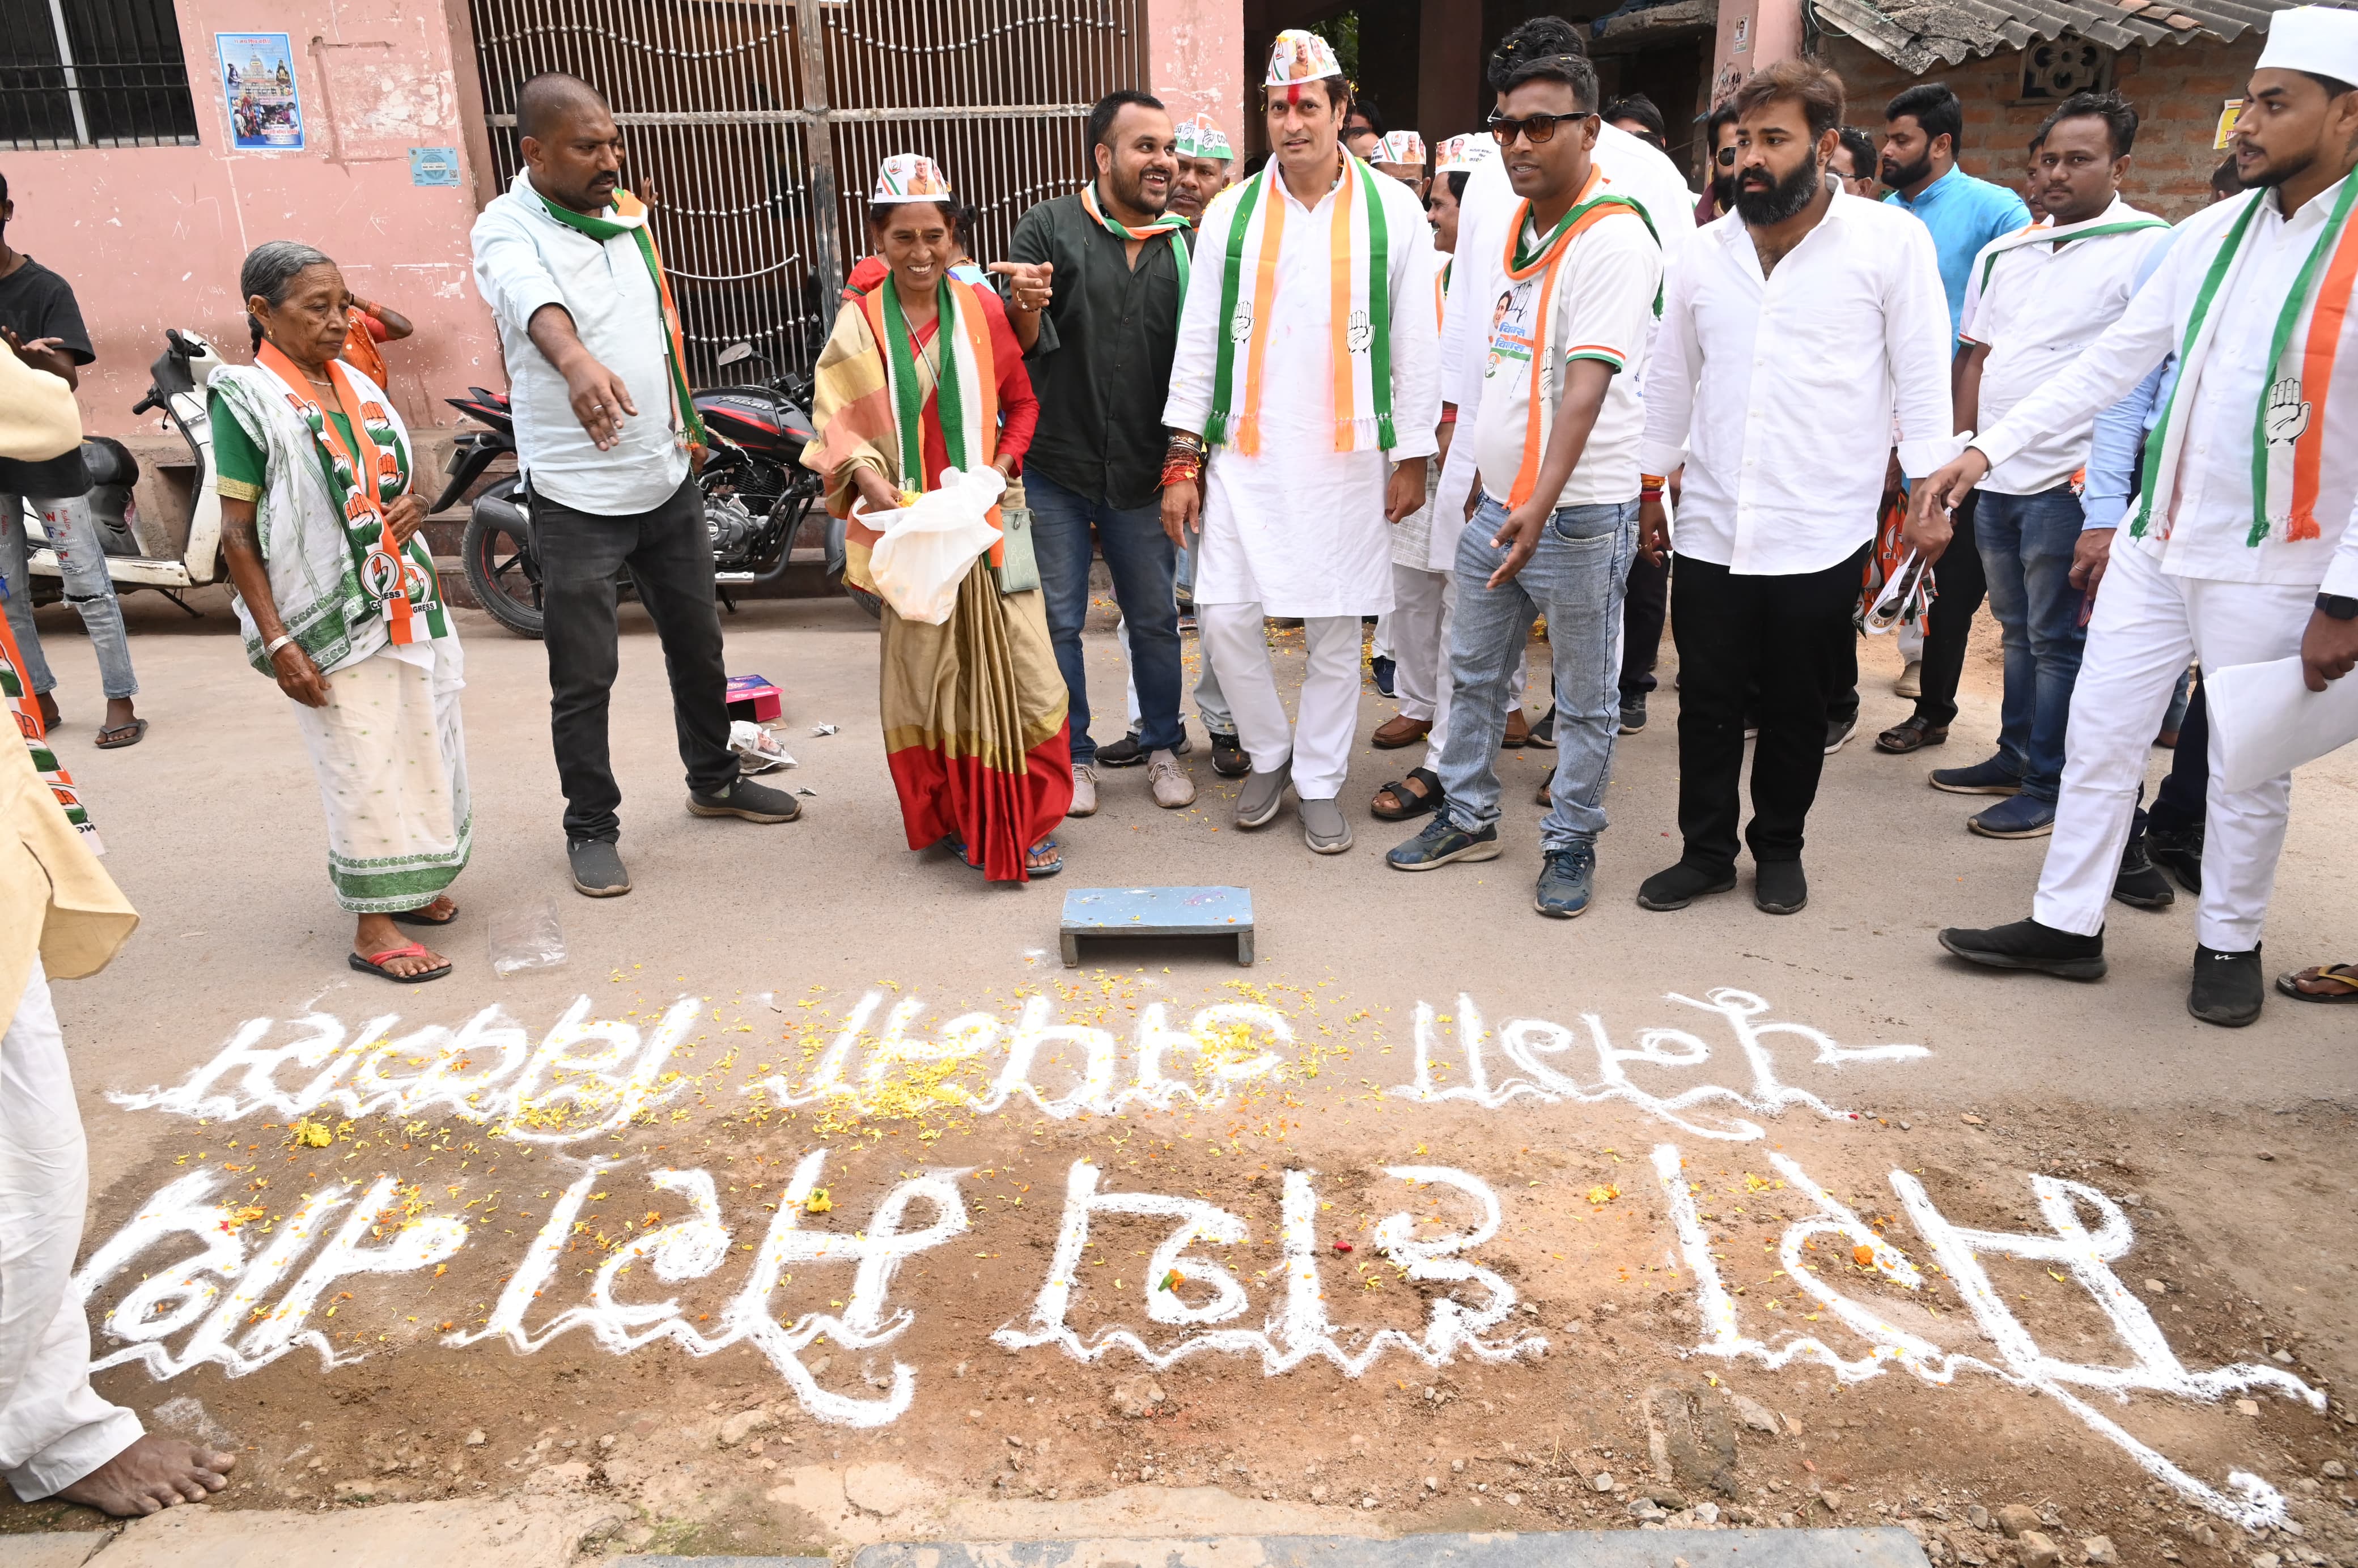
<point>1102,366</point>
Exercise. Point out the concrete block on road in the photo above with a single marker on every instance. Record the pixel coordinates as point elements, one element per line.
<point>1880,1548</point>
<point>1224,913</point>
<point>53,1548</point>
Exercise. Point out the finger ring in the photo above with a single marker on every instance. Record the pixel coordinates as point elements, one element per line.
<point>597,408</point>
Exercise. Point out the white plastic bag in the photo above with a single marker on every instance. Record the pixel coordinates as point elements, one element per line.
<point>929,548</point>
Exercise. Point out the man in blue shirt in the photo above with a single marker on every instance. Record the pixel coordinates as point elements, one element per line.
<point>1922,128</point>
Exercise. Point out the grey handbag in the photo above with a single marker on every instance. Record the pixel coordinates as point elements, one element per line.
<point>1019,568</point>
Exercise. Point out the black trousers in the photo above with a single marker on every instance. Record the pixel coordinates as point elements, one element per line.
<point>2183,801</point>
<point>1781,641</point>
<point>1643,606</point>
<point>1963,588</point>
<point>669,554</point>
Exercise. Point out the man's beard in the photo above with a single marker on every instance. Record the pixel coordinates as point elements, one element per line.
<point>1780,200</point>
<point>1133,195</point>
<point>1900,177</point>
<point>2269,176</point>
<point>1723,191</point>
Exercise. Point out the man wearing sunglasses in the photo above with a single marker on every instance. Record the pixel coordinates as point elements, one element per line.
<point>1555,437</point>
<point>1794,340</point>
<point>1719,179</point>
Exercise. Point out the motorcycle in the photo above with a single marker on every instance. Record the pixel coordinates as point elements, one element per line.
<point>757,495</point>
<point>177,387</point>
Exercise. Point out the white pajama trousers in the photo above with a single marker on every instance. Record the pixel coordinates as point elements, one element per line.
<point>2148,625</point>
<point>54,1429</point>
<point>1319,741</point>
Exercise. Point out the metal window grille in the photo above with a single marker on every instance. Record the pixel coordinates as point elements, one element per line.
<point>93,73</point>
<point>758,175</point>
<point>2054,69</point>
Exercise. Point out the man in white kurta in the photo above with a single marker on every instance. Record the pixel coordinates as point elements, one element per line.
<point>1296,527</point>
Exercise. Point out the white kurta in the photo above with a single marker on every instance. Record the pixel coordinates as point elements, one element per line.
<point>1298,527</point>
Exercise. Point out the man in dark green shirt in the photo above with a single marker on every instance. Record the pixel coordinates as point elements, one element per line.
<point>1095,295</point>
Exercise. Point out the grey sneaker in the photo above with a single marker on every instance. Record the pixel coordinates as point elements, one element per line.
<point>1323,827</point>
<point>754,802</point>
<point>1173,786</point>
<point>1084,791</point>
<point>596,867</point>
<point>1257,803</point>
<point>1566,881</point>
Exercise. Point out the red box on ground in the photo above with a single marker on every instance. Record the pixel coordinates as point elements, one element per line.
<point>752,697</point>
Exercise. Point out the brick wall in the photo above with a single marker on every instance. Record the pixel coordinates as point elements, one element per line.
<point>2176,88</point>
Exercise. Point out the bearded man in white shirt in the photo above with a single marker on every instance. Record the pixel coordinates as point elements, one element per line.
<point>1307,352</point>
<point>2241,551</point>
<point>1798,331</point>
<point>2035,300</point>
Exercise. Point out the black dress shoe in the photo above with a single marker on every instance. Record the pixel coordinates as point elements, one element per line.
<point>1779,888</point>
<point>2179,853</point>
<point>2227,988</point>
<point>2027,944</point>
<point>1681,886</point>
<point>1228,759</point>
<point>1911,735</point>
<point>2141,883</point>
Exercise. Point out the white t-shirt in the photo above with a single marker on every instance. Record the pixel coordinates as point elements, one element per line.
<point>1604,309</point>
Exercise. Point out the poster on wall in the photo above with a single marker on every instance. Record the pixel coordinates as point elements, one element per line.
<point>265,112</point>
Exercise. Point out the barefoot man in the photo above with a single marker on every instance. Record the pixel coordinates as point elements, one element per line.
<point>59,914</point>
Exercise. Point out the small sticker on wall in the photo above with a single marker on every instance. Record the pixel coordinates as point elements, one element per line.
<point>2228,114</point>
<point>1743,36</point>
<point>433,166</point>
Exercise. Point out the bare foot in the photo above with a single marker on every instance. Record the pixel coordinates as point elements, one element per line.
<point>152,1474</point>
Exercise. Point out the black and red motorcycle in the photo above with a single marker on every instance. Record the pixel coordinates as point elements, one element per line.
<point>758,498</point>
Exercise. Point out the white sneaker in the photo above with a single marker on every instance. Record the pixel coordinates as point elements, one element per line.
<point>1911,680</point>
<point>1173,786</point>
<point>1084,791</point>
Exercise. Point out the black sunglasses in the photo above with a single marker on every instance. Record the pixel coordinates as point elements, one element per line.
<point>1726,157</point>
<point>1536,129</point>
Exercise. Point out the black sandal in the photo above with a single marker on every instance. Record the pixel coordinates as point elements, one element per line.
<point>1406,806</point>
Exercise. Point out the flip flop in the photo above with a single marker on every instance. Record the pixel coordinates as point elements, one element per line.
<point>129,734</point>
<point>2345,976</point>
<point>418,917</point>
<point>375,965</point>
<point>1039,872</point>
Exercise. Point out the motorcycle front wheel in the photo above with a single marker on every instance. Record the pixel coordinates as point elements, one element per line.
<point>501,571</point>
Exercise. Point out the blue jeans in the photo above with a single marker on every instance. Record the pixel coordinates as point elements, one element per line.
<point>1139,555</point>
<point>1576,579</point>
<point>82,567</point>
<point>2026,548</point>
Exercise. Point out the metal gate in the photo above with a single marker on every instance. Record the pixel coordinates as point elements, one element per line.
<point>755,128</point>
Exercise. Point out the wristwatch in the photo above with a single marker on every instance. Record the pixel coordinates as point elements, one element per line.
<point>2339,606</point>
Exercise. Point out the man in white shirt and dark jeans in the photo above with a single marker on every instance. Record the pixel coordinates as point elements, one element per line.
<point>2240,551</point>
<point>1555,437</point>
<point>1798,331</point>
<point>603,429</point>
<point>2034,302</point>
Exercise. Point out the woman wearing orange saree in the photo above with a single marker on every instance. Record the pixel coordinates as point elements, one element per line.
<point>923,374</point>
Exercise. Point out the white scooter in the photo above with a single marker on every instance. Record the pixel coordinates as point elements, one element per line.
<point>177,386</point>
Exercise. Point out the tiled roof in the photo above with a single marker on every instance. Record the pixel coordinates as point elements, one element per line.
<point>1920,34</point>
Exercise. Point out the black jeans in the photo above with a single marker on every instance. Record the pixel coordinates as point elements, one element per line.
<point>1963,588</point>
<point>1787,634</point>
<point>669,554</point>
<point>2183,801</point>
<point>1646,600</point>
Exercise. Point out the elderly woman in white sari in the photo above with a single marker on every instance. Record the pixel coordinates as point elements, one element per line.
<point>337,599</point>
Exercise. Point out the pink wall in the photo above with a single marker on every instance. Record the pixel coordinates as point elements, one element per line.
<point>1752,33</point>
<point>152,237</point>
<point>1196,61</point>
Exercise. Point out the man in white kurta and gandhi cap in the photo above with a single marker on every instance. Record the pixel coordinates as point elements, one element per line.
<point>2240,549</point>
<point>1308,356</point>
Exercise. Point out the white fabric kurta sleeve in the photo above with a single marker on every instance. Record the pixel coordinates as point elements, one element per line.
<point>1482,213</point>
<point>1415,336</point>
<point>1675,365</point>
<point>2146,334</point>
<point>1916,346</point>
<point>2342,571</point>
<point>510,272</point>
<point>1196,355</point>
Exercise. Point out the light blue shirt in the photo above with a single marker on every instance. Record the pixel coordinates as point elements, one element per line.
<point>2122,428</point>
<point>1965,214</point>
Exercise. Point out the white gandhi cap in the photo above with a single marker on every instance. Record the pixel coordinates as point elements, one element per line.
<point>2319,39</point>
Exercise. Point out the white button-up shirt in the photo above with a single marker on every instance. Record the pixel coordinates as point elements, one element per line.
<point>525,259</point>
<point>2212,506</point>
<point>1781,393</point>
<point>2037,305</point>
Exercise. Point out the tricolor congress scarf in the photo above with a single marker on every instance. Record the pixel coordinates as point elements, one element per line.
<point>1544,261</point>
<point>1359,314</point>
<point>1169,226</point>
<point>2120,218</point>
<point>24,709</point>
<point>966,382</point>
<point>2289,424</point>
<point>397,583</point>
<point>629,216</point>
